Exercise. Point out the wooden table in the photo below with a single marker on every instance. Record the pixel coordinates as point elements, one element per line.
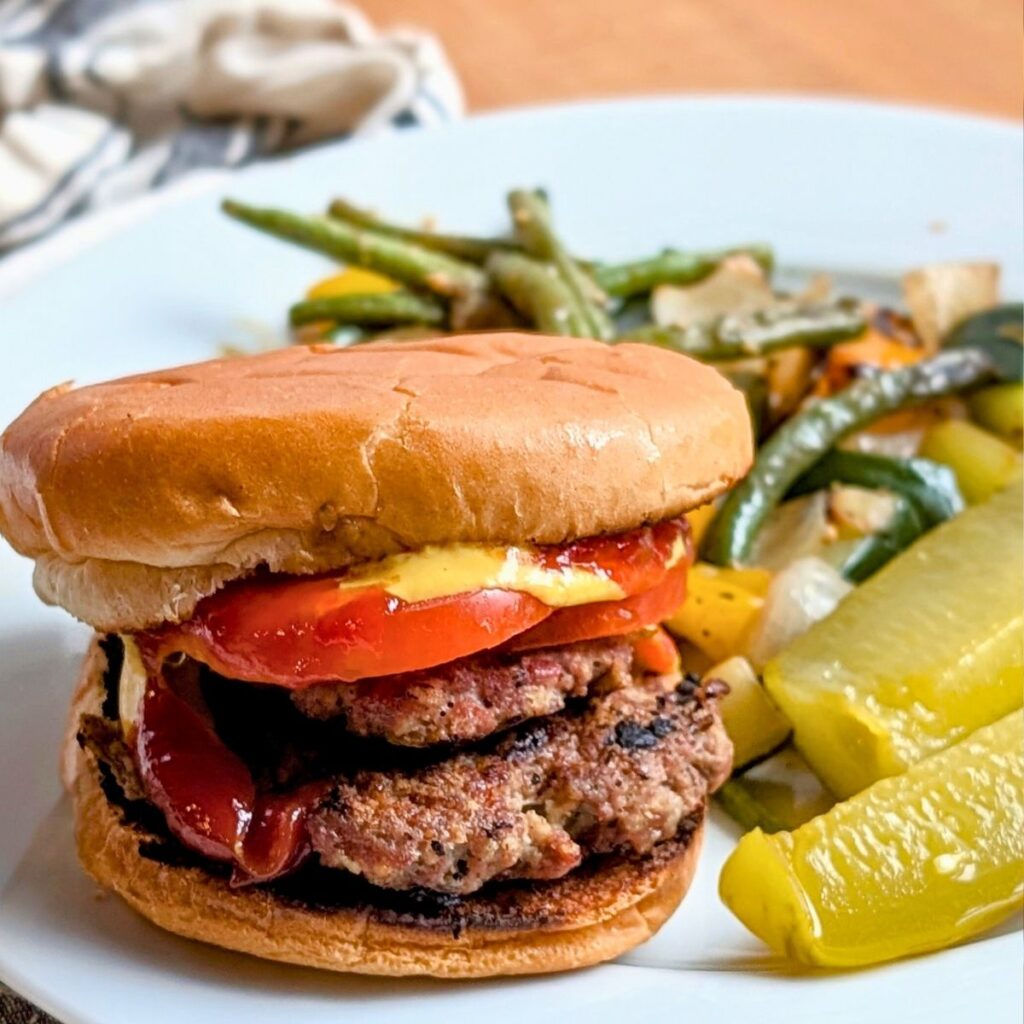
<point>952,53</point>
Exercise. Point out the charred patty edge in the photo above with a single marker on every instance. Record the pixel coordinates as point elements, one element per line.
<point>500,906</point>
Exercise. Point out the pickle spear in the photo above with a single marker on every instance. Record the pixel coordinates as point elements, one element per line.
<point>923,653</point>
<point>914,863</point>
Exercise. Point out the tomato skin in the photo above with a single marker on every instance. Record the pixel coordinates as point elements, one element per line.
<point>298,632</point>
<point>607,618</point>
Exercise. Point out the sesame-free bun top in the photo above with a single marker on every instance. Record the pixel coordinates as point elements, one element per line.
<point>140,496</point>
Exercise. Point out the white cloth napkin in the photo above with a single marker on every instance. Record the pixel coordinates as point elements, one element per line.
<point>104,99</point>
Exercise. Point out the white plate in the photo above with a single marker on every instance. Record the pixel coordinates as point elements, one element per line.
<point>838,186</point>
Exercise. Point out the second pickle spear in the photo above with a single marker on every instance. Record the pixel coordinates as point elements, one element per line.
<point>914,863</point>
<point>926,651</point>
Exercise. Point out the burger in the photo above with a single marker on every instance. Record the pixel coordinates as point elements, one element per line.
<point>377,682</point>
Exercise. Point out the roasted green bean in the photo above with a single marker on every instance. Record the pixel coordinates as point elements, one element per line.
<point>999,332</point>
<point>671,266</point>
<point>744,335</point>
<point>804,439</point>
<point>926,494</point>
<point>373,309</point>
<point>532,219</point>
<point>463,247</point>
<point>537,292</point>
<point>410,264</point>
<point>931,486</point>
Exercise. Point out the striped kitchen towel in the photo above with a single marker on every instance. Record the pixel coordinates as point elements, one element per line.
<point>104,99</point>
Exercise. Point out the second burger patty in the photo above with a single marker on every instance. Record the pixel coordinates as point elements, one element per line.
<point>472,698</point>
<point>618,775</point>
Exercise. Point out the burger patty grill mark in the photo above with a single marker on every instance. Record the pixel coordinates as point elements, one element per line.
<point>541,799</point>
<point>472,698</point>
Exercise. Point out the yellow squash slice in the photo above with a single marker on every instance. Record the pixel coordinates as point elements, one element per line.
<point>753,722</point>
<point>914,863</point>
<point>721,608</point>
<point>920,655</point>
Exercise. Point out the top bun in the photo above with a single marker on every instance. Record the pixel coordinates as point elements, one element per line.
<point>140,496</point>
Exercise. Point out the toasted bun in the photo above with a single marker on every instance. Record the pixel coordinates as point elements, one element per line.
<point>140,496</point>
<point>594,914</point>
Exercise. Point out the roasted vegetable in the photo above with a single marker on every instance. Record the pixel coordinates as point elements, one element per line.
<point>755,725</point>
<point>463,247</point>
<point>405,262</point>
<point>351,281</point>
<point>941,295</point>
<point>880,548</point>
<point>531,218</point>
<point>803,440</point>
<point>930,486</point>
<point>738,286</point>
<point>999,333</point>
<point>806,591</point>
<point>983,464</point>
<point>926,494</point>
<point>915,658</point>
<point>721,608</point>
<point>537,292</point>
<point>916,862</point>
<point>793,530</point>
<point>756,334</point>
<point>777,795</point>
<point>373,309</point>
<point>1001,409</point>
<point>624,280</point>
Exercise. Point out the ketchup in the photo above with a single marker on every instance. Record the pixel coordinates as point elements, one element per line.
<point>208,796</point>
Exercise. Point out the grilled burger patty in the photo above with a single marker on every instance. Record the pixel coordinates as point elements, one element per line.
<point>472,698</point>
<point>615,772</point>
<point>617,776</point>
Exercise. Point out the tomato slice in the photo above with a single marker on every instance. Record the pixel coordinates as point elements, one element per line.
<point>607,618</point>
<point>656,652</point>
<point>296,632</point>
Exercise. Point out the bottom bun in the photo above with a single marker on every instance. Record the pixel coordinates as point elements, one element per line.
<point>333,920</point>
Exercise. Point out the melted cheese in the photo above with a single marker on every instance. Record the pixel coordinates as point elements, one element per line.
<point>132,684</point>
<point>437,571</point>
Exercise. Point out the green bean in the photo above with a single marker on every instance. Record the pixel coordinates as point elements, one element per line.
<point>1000,333</point>
<point>537,292</point>
<point>926,494</point>
<point>755,389</point>
<point>624,280</point>
<point>373,309</point>
<point>463,247</point>
<point>804,439</point>
<point>930,486</point>
<point>879,548</point>
<point>410,264</point>
<point>746,810</point>
<point>743,335</point>
<point>532,219</point>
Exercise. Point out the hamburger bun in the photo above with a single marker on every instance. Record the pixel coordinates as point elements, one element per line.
<point>593,914</point>
<point>139,497</point>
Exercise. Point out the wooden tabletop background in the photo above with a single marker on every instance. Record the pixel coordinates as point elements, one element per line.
<point>963,54</point>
